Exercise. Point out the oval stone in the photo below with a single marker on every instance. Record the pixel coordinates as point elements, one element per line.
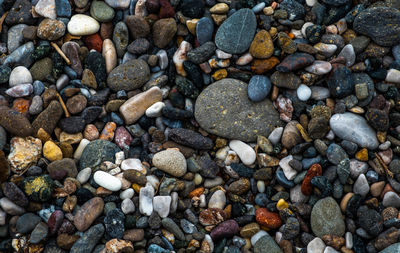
<point>235,35</point>
<point>259,88</point>
<point>224,109</point>
<point>129,76</point>
<point>107,181</point>
<point>82,25</point>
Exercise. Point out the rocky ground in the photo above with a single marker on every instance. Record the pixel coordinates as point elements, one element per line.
<point>200,126</point>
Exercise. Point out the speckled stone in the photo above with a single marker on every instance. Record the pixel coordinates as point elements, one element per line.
<point>224,109</point>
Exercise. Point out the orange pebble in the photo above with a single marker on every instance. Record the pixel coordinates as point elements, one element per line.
<point>268,219</point>
<point>108,131</point>
<point>196,192</point>
<point>94,41</point>
<point>21,105</point>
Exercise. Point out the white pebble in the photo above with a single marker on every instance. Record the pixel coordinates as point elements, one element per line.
<point>161,205</point>
<point>80,25</point>
<point>246,154</point>
<point>329,249</point>
<point>107,181</point>
<point>260,186</point>
<point>133,164</point>
<point>202,200</point>
<point>303,92</point>
<point>275,135</point>
<point>146,195</point>
<point>289,172</point>
<point>127,194</point>
<point>162,59</point>
<point>311,2</point>
<point>127,206</point>
<point>119,157</point>
<point>349,240</point>
<point>222,55</point>
<point>217,200</point>
<point>84,175</point>
<point>316,246</point>
<point>153,181</point>
<point>155,110</point>
<point>19,75</point>
<point>393,76</point>
<point>174,202</point>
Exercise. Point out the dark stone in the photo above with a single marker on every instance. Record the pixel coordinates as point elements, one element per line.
<point>38,188</point>
<point>27,222</point>
<point>190,138</point>
<point>91,113</point>
<point>15,194</point>
<point>48,118</point>
<point>314,33</point>
<point>293,8</point>
<point>186,87</point>
<point>175,113</point>
<point>204,30</point>
<point>225,229</point>
<point>208,166</point>
<point>194,73</point>
<point>89,240</point>
<point>259,88</point>
<point>380,24</point>
<point>20,13</point>
<point>378,119</point>
<point>192,8</point>
<point>340,82</point>
<point>202,53</point>
<point>96,63</point>
<point>97,152</point>
<point>63,8</point>
<point>114,223</point>
<point>5,72</point>
<point>336,2</point>
<point>370,220</point>
<point>73,124</point>
<point>294,62</point>
<point>236,33</point>
<point>15,122</point>
<point>242,170</point>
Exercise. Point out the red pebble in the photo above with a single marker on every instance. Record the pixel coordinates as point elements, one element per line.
<point>315,170</point>
<point>122,138</point>
<point>93,41</point>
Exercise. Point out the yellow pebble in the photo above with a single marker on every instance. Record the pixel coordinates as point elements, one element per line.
<point>381,136</point>
<point>220,74</point>
<point>362,155</point>
<point>191,25</point>
<point>220,8</point>
<point>136,187</point>
<point>282,204</point>
<point>52,152</point>
<point>303,133</point>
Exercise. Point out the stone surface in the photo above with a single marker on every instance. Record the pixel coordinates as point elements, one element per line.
<point>244,23</point>
<point>224,109</point>
<point>82,25</point>
<point>171,161</point>
<point>129,76</point>
<point>326,218</point>
<point>88,212</point>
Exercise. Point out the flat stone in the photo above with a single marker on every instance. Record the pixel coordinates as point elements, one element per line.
<point>354,128</point>
<point>97,152</point>
<point>129,76</point>
<point>88,240</point>
<point>14,122</point>
<point>235,35</point>
<point>88,212</point>
<point>224,109</point>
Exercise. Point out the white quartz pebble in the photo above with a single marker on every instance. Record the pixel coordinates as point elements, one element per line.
<point>217,200</point>
<point>246,154</point>
<point>107,181</point>
<point>82,145</point>
<point>146,195</point>
<point>303,92</point>
<point>161,205</point>
<point>127,194</point>
<point>155,110</point>
<point>81,24</point>
<point>316,246</point>
<point>127,206</point>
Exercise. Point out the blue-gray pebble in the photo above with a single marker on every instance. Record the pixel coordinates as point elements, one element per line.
<point>259,88</point>
<point>204,30</point>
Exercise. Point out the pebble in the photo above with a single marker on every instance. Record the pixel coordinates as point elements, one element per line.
<point>259,88</point>
<point>354,128</point>
<point>304,92</point>
<point>129,76</point>
<point>107,181</point>
<point>316,246</point>
<point>87,213</point>
<point>171,161</point>
<point>81,24</point>
<point>20,75</point>
<point>326,218</point>
<point>219,121</point>
<point>161,205</point>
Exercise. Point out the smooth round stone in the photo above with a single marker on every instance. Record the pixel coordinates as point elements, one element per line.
<point>224,109</point>
<point>129,76</point>
<point>20,75</point>
<point>316,246</point>
<point>127,206</point>
<point>377,23</point>
<point>391,199</point>
<point>361,186</point>
<point>100,11</point>
<point>107,181</point>
<point>161,205</point>
<point>51,29</point>
<point>82,25</point>
<point>10,207</point>
<point>319,67</point>
<point>235,35</point>
<point>204,30</point>
<point>27,222</point>
<point>127,194</point>
<point>171,161</point>
<point>393,76</point>
<point>326,218</point>
<point>84,175</point>
<point>354,128</point>
<point>97,152</point>
<point>246,154</point>
<point>294,9</point>
<point>340,82</point>
<point>303,92</point>
<point>21,90</point>
<point>259,88</point>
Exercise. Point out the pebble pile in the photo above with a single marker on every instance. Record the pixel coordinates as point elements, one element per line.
<point>200,126</point>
